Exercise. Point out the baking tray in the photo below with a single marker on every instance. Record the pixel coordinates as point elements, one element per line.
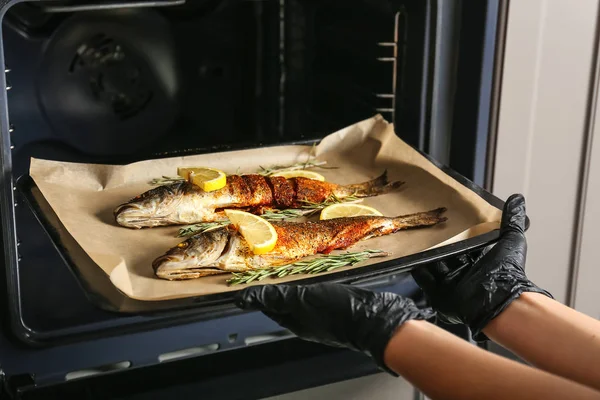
<point>105,295</point>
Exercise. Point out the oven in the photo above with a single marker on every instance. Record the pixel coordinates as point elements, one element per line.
<point>119,81</point>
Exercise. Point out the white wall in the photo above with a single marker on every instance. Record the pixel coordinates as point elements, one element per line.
<point>548,58</point>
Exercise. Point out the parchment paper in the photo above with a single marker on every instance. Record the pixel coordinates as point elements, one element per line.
<point>85,195</point>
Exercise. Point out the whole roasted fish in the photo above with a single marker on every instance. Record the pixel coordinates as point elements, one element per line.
<point>225,250</point>
<point>185,203</point>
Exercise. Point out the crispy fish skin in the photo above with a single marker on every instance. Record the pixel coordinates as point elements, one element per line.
<point>225,250</point>
<point>185,203</point>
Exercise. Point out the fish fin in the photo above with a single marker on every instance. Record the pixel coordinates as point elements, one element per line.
<point>421,219</point>
<point>188,274</point>
<point>374,187</point>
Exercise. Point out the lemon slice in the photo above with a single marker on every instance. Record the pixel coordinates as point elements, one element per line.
<point>258,232</point>
<point>348,210</point>
<point>301,173</point>
<point>209,179</point>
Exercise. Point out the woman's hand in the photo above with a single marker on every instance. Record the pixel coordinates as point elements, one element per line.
<point>474,290</point>
<point>389,327</point>
<point>336,315</point>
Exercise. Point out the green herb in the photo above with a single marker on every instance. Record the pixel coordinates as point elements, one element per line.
<point>201,228</point>
<point>288,213</point>
<point>309,163</point>
<point>275,169</point>
<point>268,171</point>
<point>165,180</point>
<point>325,263</point>
<point>274,215</point>
<point>332,199</point>
<point>307,210</point>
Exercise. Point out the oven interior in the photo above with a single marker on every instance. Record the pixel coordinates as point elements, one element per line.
<point>106,84</point>
<point>129,83</point>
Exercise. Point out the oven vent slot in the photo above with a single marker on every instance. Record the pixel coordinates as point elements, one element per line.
<point>232,338</point>
<point>189,352</point>
<point>102,369</point>
<point>266,337</point>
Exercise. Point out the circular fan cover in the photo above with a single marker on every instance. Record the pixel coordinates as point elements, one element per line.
<point>108,82</point>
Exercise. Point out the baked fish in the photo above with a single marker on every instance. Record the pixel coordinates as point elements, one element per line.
<point>185,203</point>
<point>225,250</point>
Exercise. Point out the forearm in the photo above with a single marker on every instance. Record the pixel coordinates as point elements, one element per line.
<point>550,336</point>
<point>446,367</point>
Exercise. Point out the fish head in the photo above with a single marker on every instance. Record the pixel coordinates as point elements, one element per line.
<point>152,207</point>
<point>195,257</point>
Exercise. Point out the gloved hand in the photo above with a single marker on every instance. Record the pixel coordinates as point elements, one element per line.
<point>475,289</point>
<point>336,315</point>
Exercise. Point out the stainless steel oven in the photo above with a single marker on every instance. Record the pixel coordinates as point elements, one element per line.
<point>115,82</point>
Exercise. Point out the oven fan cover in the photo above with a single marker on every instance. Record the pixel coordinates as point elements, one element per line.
<point>108,82</point>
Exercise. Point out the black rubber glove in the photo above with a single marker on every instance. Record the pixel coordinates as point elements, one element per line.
<point>474,289</point>
<point>336,315</point>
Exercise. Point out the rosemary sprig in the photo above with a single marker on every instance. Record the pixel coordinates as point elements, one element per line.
<point>275,169</point>
<point>307,210</point>
<point>309,163</point>
<point>288,213</point>
<point>165,180</point>
<point>324,263</point>
<point>201,228</point>
<point>332,199</point>
<point>265,171</point>
<point>274,215</point>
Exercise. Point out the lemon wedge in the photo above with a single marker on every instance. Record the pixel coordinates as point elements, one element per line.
<point>342,210</point>
<point>209,179</point>
<point>301,173</point>
<point>258,232</point>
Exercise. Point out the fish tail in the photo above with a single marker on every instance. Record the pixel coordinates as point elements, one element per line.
<point>375,187</point>
<point>421,219</point>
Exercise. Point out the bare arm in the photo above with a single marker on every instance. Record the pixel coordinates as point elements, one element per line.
<point>397,335</point>
<point>550,336</point>
<point>446,367</point>
<point>491,293</point>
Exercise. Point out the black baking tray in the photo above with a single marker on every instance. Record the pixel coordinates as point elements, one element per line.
<point>101,292</point>
<point>135,315</point>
